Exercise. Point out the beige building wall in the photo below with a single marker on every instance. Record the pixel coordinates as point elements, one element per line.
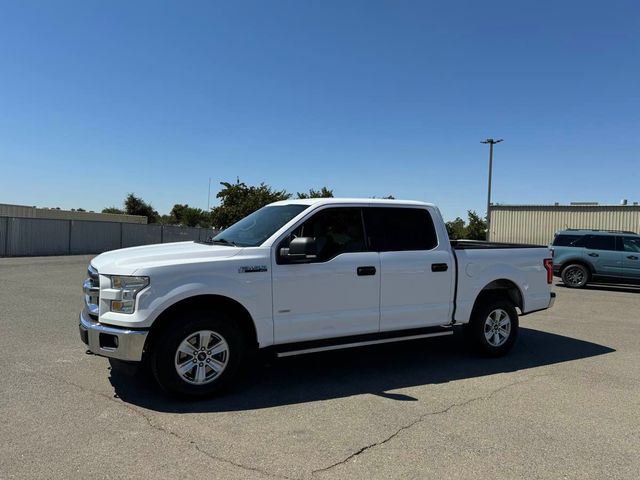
<point>538,223</point>
<point>7,210</point>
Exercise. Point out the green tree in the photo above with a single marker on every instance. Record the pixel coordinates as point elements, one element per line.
<point>477,227</point>
<point>324,192</point>
<point>237,200</point>
<point>113,210</point>
<point>456,229</point>
<point>189,216</point>
<point>136,206</point>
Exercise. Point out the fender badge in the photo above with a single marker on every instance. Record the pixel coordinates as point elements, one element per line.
<point>253,269</point>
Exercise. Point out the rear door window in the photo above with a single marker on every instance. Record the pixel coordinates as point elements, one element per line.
<point>601,242</point>
<point>631,244</point>
<point>399,229</point>
<point>564,240</point>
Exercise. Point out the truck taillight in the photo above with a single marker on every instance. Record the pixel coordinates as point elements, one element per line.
<point>548,265</point>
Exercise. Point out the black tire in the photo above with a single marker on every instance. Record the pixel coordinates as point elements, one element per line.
<point>480,326</point>
<point>575,275</point>
<point>165,356</point>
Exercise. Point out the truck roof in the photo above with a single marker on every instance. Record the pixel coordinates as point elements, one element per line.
<point>358,201</point>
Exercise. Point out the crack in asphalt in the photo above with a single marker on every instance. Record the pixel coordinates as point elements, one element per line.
<point>162,429</point>
<point>249,468</point>
<point>422,418</point>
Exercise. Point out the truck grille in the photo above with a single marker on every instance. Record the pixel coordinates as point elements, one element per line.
<point>91,287</point>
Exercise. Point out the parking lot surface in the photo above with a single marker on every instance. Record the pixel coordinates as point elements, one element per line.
<point>564,404</point>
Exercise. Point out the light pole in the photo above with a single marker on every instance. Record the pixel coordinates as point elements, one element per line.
<point>209,197</point>
<point>491,143</point>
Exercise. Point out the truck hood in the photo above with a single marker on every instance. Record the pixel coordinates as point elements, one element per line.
<point>127,261</point>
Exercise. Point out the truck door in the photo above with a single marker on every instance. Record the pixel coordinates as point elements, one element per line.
<point>335,294</point>
<point>601,252</point>
<point>416,272</point>
<point>631,257</point>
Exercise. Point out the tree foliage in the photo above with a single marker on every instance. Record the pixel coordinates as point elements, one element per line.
<point>116,210</point>
<point>237,200</point>
<point>456,229</point>
<point>324,192</point>
<point>136,206</point>
<point>475,229</point>
<point>188,216</point>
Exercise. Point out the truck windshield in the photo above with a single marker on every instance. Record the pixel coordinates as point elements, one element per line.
<point>254,229</point>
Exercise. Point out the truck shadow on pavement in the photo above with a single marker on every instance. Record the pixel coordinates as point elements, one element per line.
<point>367,370</point>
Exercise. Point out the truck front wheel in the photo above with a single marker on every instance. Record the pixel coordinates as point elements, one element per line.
<point>493,328</point>
<point>198,356</point>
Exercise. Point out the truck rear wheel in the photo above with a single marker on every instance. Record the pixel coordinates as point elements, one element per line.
<point>493,328</point>
<point>199,356</point>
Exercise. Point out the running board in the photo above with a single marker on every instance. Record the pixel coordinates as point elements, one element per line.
<point>340,346</point>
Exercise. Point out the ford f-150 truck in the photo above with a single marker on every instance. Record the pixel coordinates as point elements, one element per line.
<point>302,276</point>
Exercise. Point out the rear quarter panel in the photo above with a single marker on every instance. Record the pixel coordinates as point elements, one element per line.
<point>477,268</point>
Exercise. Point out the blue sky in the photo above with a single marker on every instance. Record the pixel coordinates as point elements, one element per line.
<point>369,98</point>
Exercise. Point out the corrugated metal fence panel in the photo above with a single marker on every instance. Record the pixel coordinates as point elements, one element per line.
<point>134,235</point>
<point>32,236</point>
<point>538,224</point>
<point>94,237</point>
<point>4,226</point>
<point>179,234</point>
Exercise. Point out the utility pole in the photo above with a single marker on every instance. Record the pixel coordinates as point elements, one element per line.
<point>491,143</point>
<point>209,197</point>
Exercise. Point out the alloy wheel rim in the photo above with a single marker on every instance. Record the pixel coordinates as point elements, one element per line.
<point>201,357</point>
<point>575,276</point>
<point>497,327</point>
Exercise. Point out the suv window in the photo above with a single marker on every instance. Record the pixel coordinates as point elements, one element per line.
<point>567,240</point>
<point>631,244</point>
<point>601,242</point>
<point>336,230</point>
<point>399,229</point>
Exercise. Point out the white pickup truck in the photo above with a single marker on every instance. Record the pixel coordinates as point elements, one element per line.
<point>302,276</point>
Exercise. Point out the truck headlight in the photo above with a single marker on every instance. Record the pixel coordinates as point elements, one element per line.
<point>128,288</point>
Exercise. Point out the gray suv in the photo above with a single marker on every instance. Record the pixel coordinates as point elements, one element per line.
<point>582,256</point>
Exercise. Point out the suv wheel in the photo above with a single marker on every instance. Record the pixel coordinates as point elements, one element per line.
<point>575,275</point>
<point>200,356</point>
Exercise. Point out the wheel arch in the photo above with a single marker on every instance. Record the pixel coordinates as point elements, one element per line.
<point>501,287</point>
<point>209,302</point>
<point>579,261</point>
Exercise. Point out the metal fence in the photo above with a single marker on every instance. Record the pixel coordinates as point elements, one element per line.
<point>24,237</point>
<point>538,223</point>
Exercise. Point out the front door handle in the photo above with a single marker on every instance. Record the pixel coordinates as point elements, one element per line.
<point>632,257</point>
<point>364,271</point>
<point>439,267</point>
<point>593,254</point>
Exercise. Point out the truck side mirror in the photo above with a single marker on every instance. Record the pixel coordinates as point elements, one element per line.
<point>300,249</point>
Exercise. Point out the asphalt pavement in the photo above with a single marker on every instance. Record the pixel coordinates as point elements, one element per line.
<point>565,404</point>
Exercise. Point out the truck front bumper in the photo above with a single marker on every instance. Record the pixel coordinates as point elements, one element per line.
<point>114,342</point>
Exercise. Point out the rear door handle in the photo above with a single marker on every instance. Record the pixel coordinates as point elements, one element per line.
<point>439,267</point>
<point>593,254</point>
<point>632,257</point>
<point>364,271</point>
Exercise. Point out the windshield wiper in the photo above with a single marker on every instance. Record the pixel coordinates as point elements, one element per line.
<point>224,241</point>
